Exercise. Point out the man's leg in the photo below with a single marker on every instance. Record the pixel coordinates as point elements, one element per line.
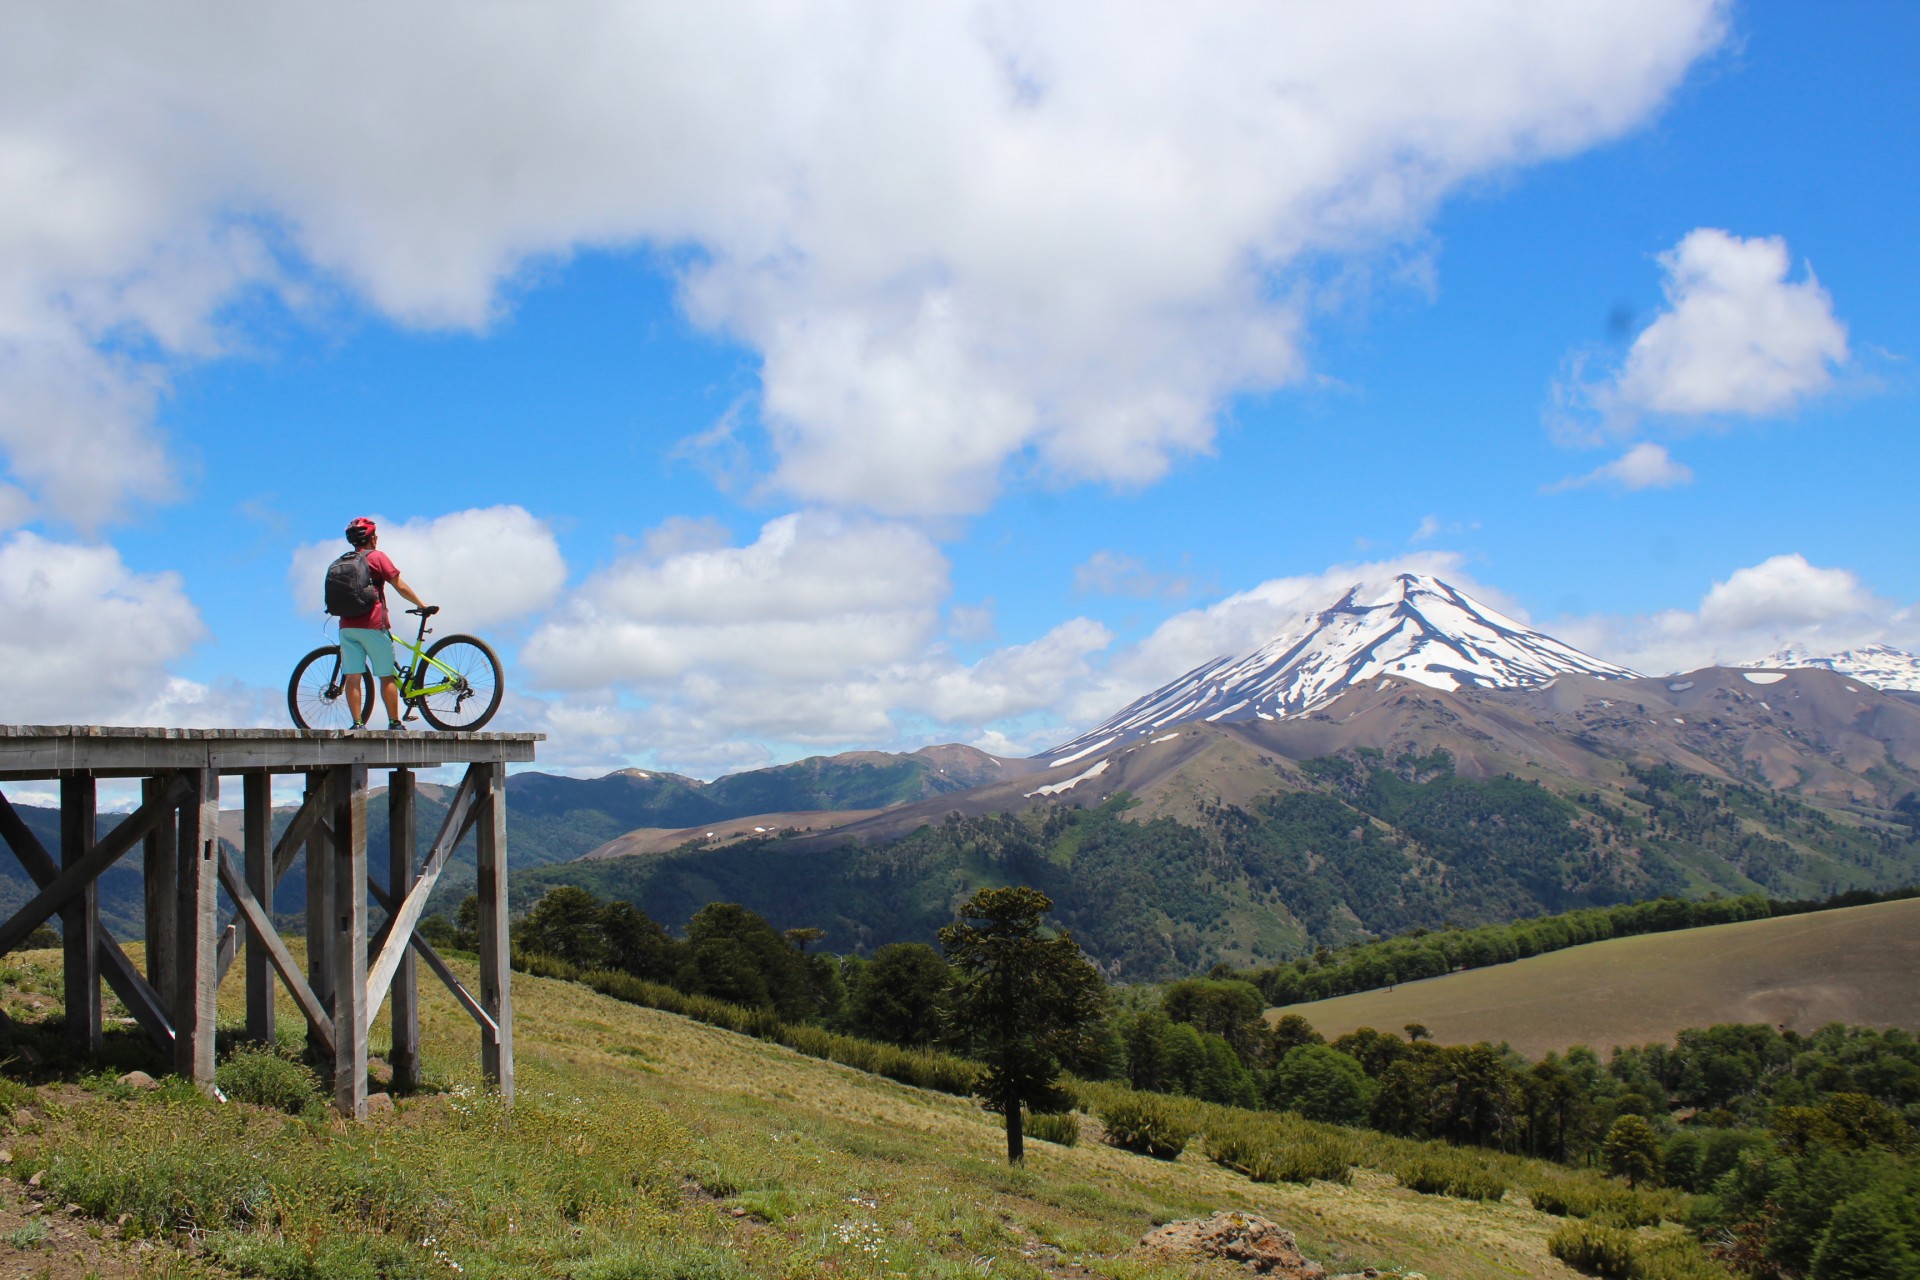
<point>390,692</point>
<point>353,665</point>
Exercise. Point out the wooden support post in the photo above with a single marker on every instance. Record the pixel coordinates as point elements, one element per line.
<point>80,918</point>
<point>320,921</point>
<point>196,975</point>
<point>256,844</point>
<point>349,798</point>
<point>496,996</point>
<point>160,867</point>
<point>402,842</point>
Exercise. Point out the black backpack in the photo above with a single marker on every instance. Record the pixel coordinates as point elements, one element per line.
<point>351,590</point>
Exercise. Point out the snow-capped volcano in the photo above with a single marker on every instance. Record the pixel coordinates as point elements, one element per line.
<point>1416,627</point>
<point>1882,666</point>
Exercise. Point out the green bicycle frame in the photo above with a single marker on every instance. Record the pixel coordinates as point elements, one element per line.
<point>416,669</point>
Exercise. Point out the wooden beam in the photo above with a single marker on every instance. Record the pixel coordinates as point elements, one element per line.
<point>256,837</point>
<point>80,918</point>
<point>115,967</point>
<point>319,901</point>
<point>496,949</point>
<point>403,1054</point>
<point>72,879</point>
<point>197,978</point>
<point>392,939</point>
<point>298,832</point>
<point>350,1020</point>
<point>160,868</point>
<point>262,934</point>
<point>442,970</point>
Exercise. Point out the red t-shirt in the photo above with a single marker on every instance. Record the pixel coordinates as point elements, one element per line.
<point>383,571</point>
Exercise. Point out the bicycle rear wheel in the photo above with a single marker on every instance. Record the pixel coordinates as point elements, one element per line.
<point>317,693</point>
<point>476,684</point>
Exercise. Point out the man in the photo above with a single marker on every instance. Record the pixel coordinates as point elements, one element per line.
<point>364,642</point>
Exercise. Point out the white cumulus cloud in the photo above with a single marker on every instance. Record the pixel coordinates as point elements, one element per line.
<point>1644,466</point>
<point>964,239</point>
<point>483,566</point>
<point>815,596</point>
<point>85,639</point>
<point>1737,336</point>
<point>1758,609</point>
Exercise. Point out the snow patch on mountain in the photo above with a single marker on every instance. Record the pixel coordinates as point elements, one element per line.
<point>1415,627</point>
<point>1880,665</point>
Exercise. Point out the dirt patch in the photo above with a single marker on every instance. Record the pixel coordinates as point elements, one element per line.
<point>1257,1244</point>
<point>48,1241</point>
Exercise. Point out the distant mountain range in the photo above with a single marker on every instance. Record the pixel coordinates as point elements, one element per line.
<point>1404,757</point>
<point>1884,667</point>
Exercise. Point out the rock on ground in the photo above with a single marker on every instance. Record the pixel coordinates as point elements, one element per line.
<point>1248,1239</point>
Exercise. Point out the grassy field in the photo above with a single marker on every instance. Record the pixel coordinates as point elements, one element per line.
<point>1853,965</point>
<point>646,1145</point>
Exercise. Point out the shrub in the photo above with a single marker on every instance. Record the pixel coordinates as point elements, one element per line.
<point>13,1096</point>
<point>1063,1129</point>
<point>206,1187</point>
<point>267,1079</point>
<point>1259,1149</point>
<point>1450,1174</point>
<point>1148,1125</point>
<point>1596,1250</point>
<point>1607,1205</point>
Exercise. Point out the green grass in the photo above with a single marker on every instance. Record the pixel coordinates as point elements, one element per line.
<point>1851,965</point>
<point>647,1144</point>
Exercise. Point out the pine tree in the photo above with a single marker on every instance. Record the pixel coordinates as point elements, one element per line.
<point>1021,998</point>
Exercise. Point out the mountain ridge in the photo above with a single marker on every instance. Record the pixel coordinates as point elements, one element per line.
<point>1415,627</point>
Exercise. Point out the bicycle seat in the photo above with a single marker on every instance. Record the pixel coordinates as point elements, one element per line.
<point>427,612</point>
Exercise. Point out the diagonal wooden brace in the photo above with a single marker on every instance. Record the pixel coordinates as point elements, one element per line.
<point>390,945</point>
<point>119,971</point>
<point>285,850</point>
<point>445,971</point>
<point>98,859</point>
<point>318,1018</point>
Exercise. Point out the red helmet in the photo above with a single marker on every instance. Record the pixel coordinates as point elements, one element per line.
<point>360,532</point>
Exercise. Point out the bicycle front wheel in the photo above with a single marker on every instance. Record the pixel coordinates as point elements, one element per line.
<point>465,682</point>
<point>317,694</point>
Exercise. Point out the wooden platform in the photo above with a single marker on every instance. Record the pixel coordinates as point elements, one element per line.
<point>350,973</point>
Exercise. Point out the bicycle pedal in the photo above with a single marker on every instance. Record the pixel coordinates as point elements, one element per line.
<point>412,714</point>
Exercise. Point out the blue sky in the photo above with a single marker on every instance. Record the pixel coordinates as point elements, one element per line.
<point>767,386</point>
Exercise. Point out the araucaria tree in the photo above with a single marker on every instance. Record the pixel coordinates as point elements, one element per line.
<point>1021,998</point>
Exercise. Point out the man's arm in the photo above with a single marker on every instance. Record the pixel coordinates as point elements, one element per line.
<point>400,584</point>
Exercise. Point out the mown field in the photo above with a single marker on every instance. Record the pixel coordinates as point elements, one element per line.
<point>644,1144</point>
<point>1854,965</point>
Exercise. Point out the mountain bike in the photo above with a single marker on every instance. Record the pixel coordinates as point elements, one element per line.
<point>456,684</point>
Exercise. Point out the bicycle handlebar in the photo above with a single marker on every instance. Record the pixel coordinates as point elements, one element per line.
<point>426,611</point>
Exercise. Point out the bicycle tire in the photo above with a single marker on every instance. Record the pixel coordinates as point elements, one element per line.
<point>315,702</point>
<point>464,709</point>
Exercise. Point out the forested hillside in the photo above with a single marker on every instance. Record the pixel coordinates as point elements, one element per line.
<point>1372,849</point>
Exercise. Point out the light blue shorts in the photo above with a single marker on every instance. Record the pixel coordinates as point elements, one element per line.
<point>363,647</point>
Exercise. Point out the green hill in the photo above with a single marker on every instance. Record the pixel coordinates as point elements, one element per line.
<point>647,1145</point>
<point>1853,965</point>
